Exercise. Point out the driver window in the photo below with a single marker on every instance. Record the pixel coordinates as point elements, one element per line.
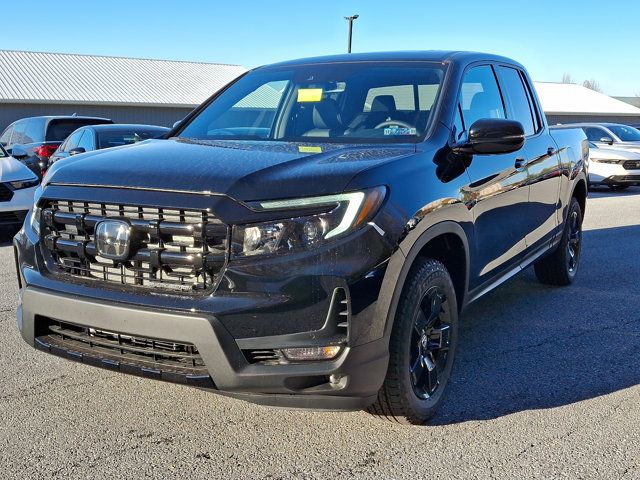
<point>458,126</point>
<point>72,141</point>
<point>86,141</point>
<point>480,96</point>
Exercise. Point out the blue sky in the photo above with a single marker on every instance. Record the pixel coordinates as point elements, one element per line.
<point>587,39</point>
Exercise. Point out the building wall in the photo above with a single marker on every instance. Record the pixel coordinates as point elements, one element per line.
<point>627,120</point>
<point>165,116</point>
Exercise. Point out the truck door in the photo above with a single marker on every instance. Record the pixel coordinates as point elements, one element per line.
<point>498,192</point>
<point>540,156</point>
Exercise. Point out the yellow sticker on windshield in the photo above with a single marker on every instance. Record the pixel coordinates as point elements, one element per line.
<point>309,94</point>
<point>309,149</point>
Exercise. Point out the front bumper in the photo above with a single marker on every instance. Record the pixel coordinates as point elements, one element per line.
<point>218,326</point>
<point>13,212</point>
<point>612,174</point>
<point>348,382</point>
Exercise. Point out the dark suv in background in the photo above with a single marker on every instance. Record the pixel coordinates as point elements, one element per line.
<point>33,140</point>
<point>98,137</point>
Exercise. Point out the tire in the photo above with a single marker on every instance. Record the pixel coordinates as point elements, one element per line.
<point>560,267</point>
<point>618,187</point>
<point>422,347</point>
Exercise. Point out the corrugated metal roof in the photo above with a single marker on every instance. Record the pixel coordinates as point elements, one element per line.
<point>571,99</point>
<point>35,77</point>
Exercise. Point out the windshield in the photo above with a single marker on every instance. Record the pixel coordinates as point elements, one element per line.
<point>336,102</point>
<point>624,133</point>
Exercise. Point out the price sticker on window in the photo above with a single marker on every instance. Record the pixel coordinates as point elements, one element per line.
<point>309,95</point>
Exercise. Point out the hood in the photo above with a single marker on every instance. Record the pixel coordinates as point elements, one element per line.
<point>613,153</point>
<point>12,170</point>
<point>635,146</point>
<point>244,170</point>
<point>621,146</point>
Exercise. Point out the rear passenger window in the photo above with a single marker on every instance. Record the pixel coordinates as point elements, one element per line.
<point>480,96</point>
<point>517,99</point>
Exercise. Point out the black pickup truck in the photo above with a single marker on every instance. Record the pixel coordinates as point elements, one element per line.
<point>308,236</point>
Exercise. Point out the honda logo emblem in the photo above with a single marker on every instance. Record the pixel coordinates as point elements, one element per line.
<point>113,239</point>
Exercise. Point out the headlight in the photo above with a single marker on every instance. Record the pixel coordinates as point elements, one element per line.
<point>34,220</point>
<point>338,215</point>
<point>20,184</point>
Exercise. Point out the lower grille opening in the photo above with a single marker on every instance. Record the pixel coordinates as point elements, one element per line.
<point>624,179</point>
<point>265,356</point>
<point>148,357</point>
<point>12,218</point>
<point>6,193</point>
<point>631,165</point>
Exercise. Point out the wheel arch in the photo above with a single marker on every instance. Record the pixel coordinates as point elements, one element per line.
<point>429,244</point>
<point>580,191</point>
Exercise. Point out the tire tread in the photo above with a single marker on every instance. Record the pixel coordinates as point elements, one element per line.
<point>552,269</point>
<point>389,404</point>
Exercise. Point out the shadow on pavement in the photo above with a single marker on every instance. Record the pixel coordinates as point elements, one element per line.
<point>529,346</point>
<point>596,191</point>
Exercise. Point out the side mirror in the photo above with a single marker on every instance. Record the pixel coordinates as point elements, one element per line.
<point>607,140</point>
<point>76,151</point>
<point>19,152</point>
<point>492,136</point>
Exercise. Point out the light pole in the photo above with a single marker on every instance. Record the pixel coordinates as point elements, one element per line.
<point>350,20</point>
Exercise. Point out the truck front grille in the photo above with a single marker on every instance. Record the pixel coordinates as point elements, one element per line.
<point>6,193</point>
<point>631,165</point>
<point>170,249</point>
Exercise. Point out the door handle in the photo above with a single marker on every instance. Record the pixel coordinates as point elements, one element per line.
<point>551,151</point>
<point>520,164</point>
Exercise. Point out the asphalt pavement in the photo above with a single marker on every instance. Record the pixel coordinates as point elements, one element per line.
<point>546,385</point>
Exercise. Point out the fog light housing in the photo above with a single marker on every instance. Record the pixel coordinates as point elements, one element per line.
<point>312,353</point>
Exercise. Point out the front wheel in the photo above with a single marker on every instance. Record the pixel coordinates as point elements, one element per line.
<point>422,346</point>
<point>560,266</point>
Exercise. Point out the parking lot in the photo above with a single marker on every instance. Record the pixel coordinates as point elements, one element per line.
<point>547,384</point>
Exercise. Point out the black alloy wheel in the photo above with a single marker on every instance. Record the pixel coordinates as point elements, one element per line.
<point>575,241</point>
<point>560,266</point>
<point>421,346</point>
<point>429,343</point>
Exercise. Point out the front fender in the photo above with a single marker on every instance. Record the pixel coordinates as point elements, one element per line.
<point>400,264</point>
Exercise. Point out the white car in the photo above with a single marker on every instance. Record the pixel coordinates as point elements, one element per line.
<point>618,169</point>
<point>17,187</point>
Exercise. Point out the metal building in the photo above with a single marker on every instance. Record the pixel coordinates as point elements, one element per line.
<point>127,90</point>
<point>570,103</point>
